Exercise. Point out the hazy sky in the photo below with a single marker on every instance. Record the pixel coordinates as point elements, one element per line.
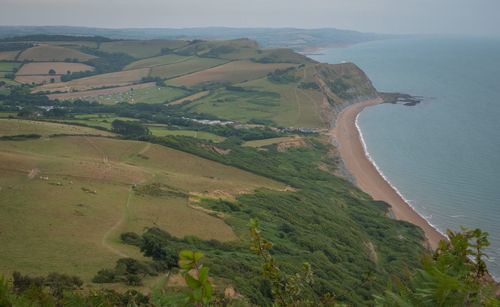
<point>479,17</point>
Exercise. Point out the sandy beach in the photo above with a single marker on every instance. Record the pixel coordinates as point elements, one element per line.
<point>366,175</point>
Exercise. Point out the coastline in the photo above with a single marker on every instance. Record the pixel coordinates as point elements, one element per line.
<point>368,178</point>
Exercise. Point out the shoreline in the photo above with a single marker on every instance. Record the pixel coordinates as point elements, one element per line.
<point>366,174</point>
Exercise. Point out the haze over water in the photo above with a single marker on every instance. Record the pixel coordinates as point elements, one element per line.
<point>443,155</point>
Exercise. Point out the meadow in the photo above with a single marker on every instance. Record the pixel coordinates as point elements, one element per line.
<point>158,130</point>
<point>285,103</point>
<point>232,72</point>
<point>141,49</point>
<point>271,141</point>
<point>120,78</point>
<point>8,55</point>
<point>154,94</point>
<point>51,53</point>
<point>157,61</point>
<point>43,68</point>
<point>185,67</point>
<point>45,129</point>
<point>81,187</point>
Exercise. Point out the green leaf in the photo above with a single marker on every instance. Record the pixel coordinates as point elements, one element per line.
<point>186,254</point>
<point>197,256</point>
<point>208,290</point>
<point>185,264</point>
<point>203,275</point>
<point>197,294</point>
<point>192,282</point>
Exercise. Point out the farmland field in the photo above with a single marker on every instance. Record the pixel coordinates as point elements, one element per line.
<point>144,93</point>
<point>8,55</point>
<point>73,44</point>
<point>298,107</point>
<point>266,142</point>
<point>181,68</point>
<point>92,94</point>
<point>47,53</point>
<point>96,120</point>
<point>37,79</point>
<point>158,130</point>
<point>8,66</point>
<point>157,61</point>
<point>152,94</point>
<point>7,81</point>
<point>75,194</point>
<point>120,78</point>
<point>60,68</point>
<point>190,98</point>
<point>284,104</point>
<point>233,72</point>
<point>21,126</point>
<point>141,49</point>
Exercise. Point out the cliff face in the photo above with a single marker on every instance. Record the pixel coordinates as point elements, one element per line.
<point>344,84</point>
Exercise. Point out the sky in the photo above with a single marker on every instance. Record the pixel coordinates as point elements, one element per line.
<point>471,17</point>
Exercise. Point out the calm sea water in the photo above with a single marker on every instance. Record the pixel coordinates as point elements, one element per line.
<point>443,155</point>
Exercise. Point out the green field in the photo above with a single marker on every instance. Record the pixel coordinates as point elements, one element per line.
<point>96,120</point>
<point>285,104</point>
<point>8,66</point>
<point>237,105</point>
<point>75,195</point>
<point>266,142</point>
<point>181,68</point>
<point>157,61</point>
<point>146,95</point>
<point>7,81</point>
<point>21,126</point>
<point>141,49</point>
<point>157,130</point>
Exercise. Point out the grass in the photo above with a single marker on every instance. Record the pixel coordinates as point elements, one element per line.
<point>21,126</point>
<point>156,61</point>
<point>237,105</point>
<point>146,95</point>
<point>266,142</point>
<point>233,72</point>
<point>8,66</point>
<point>8,81</point>
<point>8,55</point>
<point>111,79</point>
<point>61,68</point>
<point>7,114</point>
<point>140,48</point>
<point>91,94</point>
<point>181,68</point>
<point>193,97</point>
<point>157,130</point>
<point>76,232</point>
<point>285,104</point>
<point>97,120</point>
<point>297,107</point>
<point>49,53</point>
<point>38,79</point>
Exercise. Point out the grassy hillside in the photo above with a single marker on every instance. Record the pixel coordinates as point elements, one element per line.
<point>140,48</point>
<point>81,187</point>
<point>9,127</point>
<point>44,53</point>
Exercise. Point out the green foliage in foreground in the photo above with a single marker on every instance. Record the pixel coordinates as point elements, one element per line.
<point>456,275</point>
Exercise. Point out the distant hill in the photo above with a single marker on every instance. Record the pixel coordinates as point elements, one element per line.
<point>297,39</point>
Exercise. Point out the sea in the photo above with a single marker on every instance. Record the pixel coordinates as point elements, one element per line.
<point>443,154</point>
